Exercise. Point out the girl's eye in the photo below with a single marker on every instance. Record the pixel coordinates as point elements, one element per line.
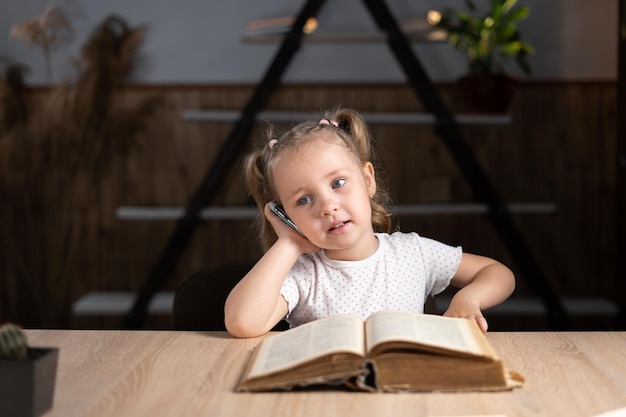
<point>338,183</point>
<point>304,200</point>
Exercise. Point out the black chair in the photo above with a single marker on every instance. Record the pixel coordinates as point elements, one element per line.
<point>199,300</point>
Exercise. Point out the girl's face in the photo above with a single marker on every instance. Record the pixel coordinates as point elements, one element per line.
<point>327,194</point>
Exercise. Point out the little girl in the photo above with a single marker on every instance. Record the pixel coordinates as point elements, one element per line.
<point>345,260</point>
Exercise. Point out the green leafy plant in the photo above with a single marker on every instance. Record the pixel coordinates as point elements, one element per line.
<point>13,343</point>
<point>489,39</point>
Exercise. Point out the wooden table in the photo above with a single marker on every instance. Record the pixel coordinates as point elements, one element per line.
<point>161,373</point>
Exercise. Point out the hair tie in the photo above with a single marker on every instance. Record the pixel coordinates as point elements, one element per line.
<point>272,143</point>
<point>329,122</point>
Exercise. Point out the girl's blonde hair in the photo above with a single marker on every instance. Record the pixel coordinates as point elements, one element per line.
<point>350,131</point>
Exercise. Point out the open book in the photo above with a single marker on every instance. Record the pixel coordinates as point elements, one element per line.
<point>391,351</point>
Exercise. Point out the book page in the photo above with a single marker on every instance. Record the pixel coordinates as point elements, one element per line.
<point>341,333</point>
<point>443,332</point>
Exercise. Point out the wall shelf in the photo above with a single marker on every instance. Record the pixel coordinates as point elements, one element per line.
<point>400,46</point>
<point>117,303</point>
<point>138,213</point>
<point>230,116</point>
<point>515,306</point>
<point>344,37</point>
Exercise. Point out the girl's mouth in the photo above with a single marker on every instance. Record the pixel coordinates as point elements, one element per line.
<point>338,227</point>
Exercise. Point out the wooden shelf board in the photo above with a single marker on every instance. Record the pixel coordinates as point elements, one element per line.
<point>576,306</point>
<point>120,302</point>
<point>230,116</point>
<point>346,37</point>
<point>135,213</point>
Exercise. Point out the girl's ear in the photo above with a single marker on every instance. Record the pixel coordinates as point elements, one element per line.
<point>370,178</point>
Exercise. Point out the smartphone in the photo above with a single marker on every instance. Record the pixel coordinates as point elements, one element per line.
<point>278,210</point>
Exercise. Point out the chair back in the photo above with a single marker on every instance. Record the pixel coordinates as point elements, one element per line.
<point>199,300</point>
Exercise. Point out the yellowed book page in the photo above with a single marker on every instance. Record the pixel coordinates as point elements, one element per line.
<point>341,333</point>
<point>442,332</point>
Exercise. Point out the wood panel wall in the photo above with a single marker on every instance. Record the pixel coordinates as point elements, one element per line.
<point>560,147</point>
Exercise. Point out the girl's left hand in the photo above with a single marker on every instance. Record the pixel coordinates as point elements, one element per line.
<point>467,311</point>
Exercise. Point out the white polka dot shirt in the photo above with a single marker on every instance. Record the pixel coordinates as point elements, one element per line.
<point>405,269</point>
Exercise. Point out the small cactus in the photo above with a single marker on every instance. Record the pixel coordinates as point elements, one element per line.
<point>13,344</point>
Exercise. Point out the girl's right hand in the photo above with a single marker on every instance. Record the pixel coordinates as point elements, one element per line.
<point>283,231</point>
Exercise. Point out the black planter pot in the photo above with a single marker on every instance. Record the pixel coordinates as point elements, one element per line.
<point>486,93</point>
<point>27,386</point>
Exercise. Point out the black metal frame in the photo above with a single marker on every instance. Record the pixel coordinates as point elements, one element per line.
<point>446,127</point>
<point>620,185</point>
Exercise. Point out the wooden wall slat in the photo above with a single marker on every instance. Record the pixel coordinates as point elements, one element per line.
<point>560,147</point>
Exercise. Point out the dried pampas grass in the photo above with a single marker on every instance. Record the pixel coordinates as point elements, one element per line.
<point>46,31</point>
<point>53,151</point>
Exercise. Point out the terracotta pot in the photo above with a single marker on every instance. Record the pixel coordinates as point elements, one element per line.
<point>486,93</point>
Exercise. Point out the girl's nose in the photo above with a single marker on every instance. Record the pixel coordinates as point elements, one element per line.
<point>329,206</point>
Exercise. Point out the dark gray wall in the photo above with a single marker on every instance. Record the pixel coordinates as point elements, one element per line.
<point>199,41</point>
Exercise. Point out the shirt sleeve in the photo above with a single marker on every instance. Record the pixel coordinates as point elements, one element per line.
<point>290,293</point>
<point>297,284</point>
<point>441,262</point>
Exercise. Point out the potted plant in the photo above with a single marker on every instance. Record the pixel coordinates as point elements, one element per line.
<point>27,375</point>
<point>490,40</point>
